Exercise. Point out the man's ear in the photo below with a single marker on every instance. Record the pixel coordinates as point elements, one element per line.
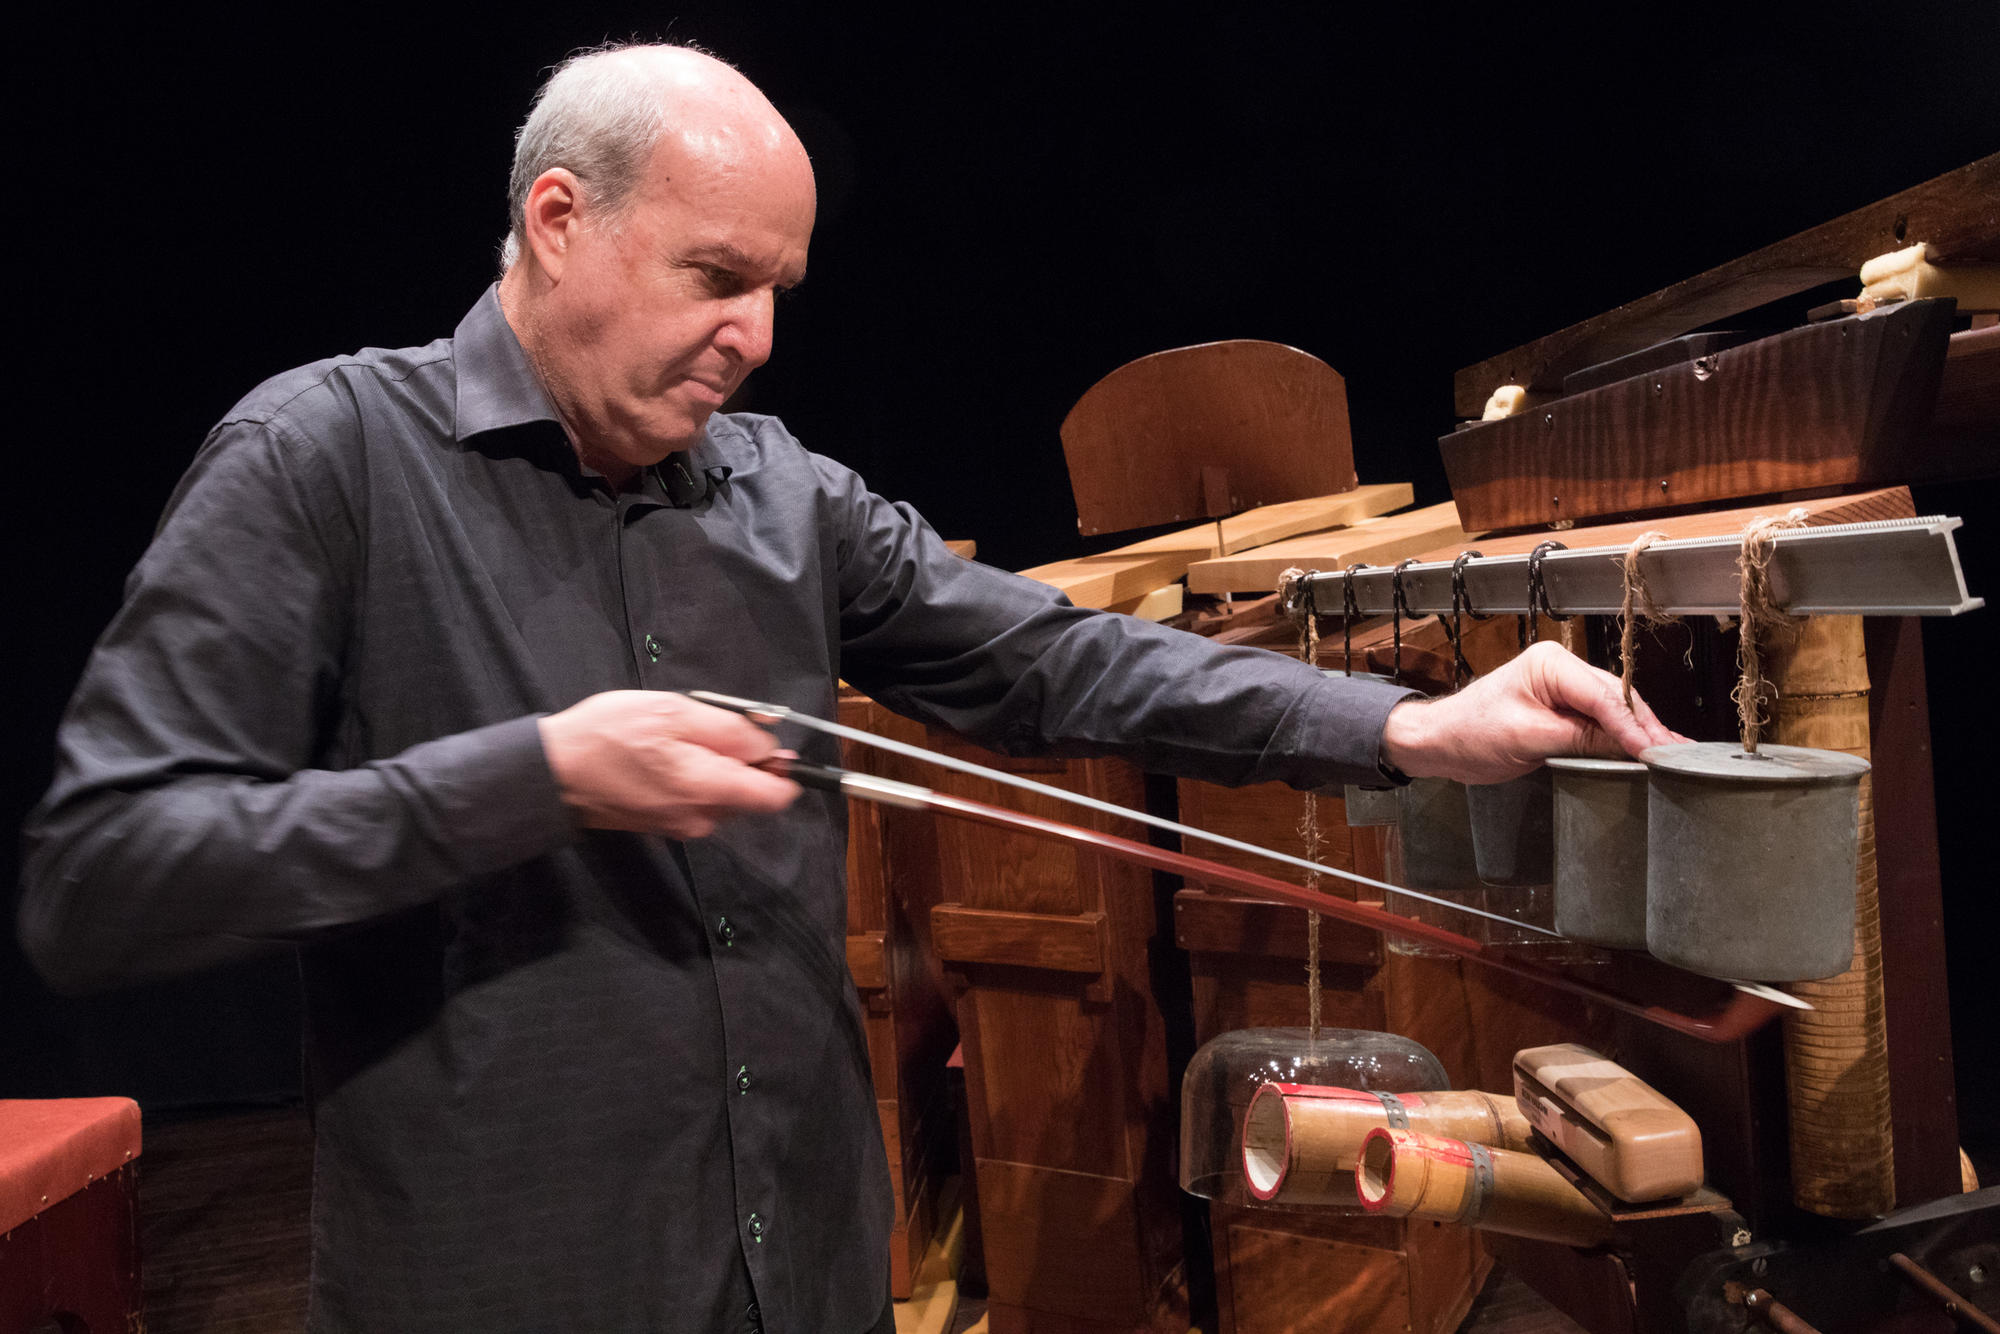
<point>552,218</point>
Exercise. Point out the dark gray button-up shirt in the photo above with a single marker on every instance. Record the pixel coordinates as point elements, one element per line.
<point>561,1079</point>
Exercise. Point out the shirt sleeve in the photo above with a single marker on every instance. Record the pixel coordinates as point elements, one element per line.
<point>189,821</point>
<point>1012,663</point>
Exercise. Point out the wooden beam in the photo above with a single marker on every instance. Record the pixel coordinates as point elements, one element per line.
<point>1064,943</point>
<point>1162,604</point>
<point>1129,572</point>
<point>1862,507</point>
<point>1372,541</point>
<point>1958,213</point>
<point>1272,523</point>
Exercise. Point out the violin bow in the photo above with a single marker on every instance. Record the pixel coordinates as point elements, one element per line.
<point>1750,1006</point>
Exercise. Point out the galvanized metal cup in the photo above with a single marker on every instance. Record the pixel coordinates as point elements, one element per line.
<point>1600,850</point>
<point>1513,830</point>
<point>1437,836</point>
<point>1750,859</point>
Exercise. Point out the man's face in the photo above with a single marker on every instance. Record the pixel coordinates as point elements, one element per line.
<point>662,309</point>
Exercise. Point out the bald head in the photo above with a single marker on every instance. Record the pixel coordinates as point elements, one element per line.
<point>604,116</point>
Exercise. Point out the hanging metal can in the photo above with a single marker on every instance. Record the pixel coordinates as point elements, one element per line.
<point>1600,850</point>
<point>1750,859</point>
<point>1437,836</point>
<point>1513,830</point>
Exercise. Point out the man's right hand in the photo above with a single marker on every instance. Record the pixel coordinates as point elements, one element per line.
<point>659,763</point>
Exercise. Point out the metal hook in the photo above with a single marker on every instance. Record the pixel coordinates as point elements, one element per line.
<point>1350,612</point>
<point>1461,606</point>
<point>1538,595</point>
<point>1399,607</point>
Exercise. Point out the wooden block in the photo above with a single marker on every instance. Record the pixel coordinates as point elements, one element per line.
<point>867,960</point>
<point>1162,604</point>
<point>962,546</point>
<point>1066,944</point>
<point>1130,572</point>
<point>1861,507</point>
<point>1828,405</point>
<point>1952,212</point>
<point>1204,431</point>
<point>1371,541</point>
<point>1272,523</point>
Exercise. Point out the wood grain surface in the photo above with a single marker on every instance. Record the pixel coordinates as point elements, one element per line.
<point>1371,541</point>
<point>1836,404</point>
<point>1272,523</point>
<point>1859,507</point>
<point>1266,423</point>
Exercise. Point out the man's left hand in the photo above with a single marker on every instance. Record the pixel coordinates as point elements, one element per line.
<point>1545,702</point>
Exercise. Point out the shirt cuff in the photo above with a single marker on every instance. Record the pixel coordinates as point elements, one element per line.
<point>492,794</point>
<point>1343,727</point>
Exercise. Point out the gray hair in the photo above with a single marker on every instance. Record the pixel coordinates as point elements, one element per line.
<point>598,116</point>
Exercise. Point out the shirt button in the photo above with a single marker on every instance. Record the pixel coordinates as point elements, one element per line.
<point>727,930</point>
<point>757,1227</point>
<point>742,1079</point>
<point>652,648</point>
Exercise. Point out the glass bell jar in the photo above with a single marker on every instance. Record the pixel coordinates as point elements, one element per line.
<point>1228,1070</point>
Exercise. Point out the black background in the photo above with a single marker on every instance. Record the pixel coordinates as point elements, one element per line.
<point>1012,204</point>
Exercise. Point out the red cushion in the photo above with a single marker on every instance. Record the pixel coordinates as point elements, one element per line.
<point>51,1149</point>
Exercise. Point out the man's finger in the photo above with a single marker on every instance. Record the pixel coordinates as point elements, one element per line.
<point>717,783</point>
<point>721,731</point>
<point>1597,695</point>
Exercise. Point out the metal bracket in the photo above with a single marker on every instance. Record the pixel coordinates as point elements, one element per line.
<point>1897,567</point>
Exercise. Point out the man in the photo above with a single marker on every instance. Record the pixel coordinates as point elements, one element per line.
<point>391,683</point>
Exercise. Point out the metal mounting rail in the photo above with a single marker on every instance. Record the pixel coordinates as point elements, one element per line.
<point>1896,567</point>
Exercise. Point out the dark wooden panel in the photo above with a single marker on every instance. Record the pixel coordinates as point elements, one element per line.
<point>1266,815</point>
<point>1220,924</point>
<point>1069,944</point>
<point>1285,1282</point>
<point>1922,1092</point>
<point>1066,1243</point>
<point>1206,431</point>
<point>1045,1076</point>
<point>1829,405</point>
<point>1959,212</point>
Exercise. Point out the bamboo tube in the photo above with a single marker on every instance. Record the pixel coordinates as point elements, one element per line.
<point>1837,1054</point>
<point>1404,1174</point>
<point>1300,1141</point>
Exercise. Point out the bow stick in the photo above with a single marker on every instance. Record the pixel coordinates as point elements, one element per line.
<point>1749,1007</point>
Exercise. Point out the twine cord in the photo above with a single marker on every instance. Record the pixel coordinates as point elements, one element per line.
<point>1538,600</point>
<point>1350,612</point>
<point>1758,613</point>
<point>1461,606</point>
<point>1307,616</point>
<point>1399,607</point>
<point>1637,606</point>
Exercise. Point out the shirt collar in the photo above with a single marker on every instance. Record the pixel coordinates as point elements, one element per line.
<point>497,386</point>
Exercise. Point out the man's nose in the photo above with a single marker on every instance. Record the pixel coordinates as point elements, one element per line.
<point>748,331</point>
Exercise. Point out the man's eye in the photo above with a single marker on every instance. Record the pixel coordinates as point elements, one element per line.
<point>723,282</point>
